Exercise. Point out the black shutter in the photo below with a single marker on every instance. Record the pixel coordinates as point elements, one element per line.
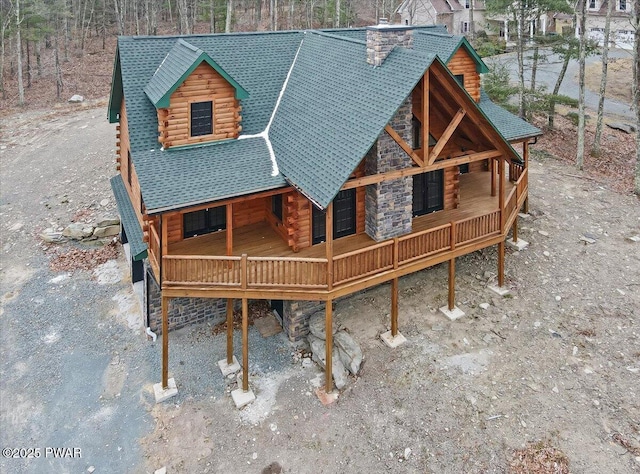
<point>319,225</point>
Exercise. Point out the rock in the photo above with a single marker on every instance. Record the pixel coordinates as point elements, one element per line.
<point>75,99</point>
<point>317,350</point>
<point>52,237</point>
<point>108,231</point>
<point>107,221</point>
<point>544,233</point>
<point>349,351</point>
<point>78,231</point>
<point>407,453</point>
<point>625,127</point>
<point>16,227</point>
<point>162,470</point>
<point>484,305</point>
<point>634,238</point>
<point>104,202</point>
<point>587,240</point>
<point>317,325</point>
<point>90,469</point>
<point>338,370</point>
<point>306,362</point>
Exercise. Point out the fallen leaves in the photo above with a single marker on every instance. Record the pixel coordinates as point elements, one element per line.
<point>69,259</point>
<point>539,458</point>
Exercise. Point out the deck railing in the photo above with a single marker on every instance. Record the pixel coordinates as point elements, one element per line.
<point>288,273</point>
<point>154,249</point>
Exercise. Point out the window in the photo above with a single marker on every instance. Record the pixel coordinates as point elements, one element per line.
<point>464,27</point>
<point>460,79</point>
<point>204,221</point>
<point>344,217</point>
<point>416,133</point>
<point>622,5</point>
<point>467,4</point>
<point>593,5</point>
<point>276,206</point>
<point>428,192</point>
<point>201,118</point>
<point>464,169</point>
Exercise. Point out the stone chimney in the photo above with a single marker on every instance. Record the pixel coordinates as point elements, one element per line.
<point>383,37</point>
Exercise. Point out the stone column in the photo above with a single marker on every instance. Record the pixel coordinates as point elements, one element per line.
<point>389,205</point>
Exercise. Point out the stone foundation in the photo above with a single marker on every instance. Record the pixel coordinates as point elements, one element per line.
<point>182,311</point>
<point>295,320</point>
<point>389,205</point>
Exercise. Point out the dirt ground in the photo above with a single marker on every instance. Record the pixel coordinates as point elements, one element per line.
<point>619,76</point>
<point>553,369</point>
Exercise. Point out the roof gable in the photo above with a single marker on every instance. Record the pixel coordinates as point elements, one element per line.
<point>177,65</point>
<point>334,108</point>
<point>446,45</point>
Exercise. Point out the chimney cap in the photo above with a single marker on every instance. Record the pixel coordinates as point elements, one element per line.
<point>383,24</point>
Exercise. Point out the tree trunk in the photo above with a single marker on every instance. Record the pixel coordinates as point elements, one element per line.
<point>58,72</point>
<point>520,53</point>
<point>472,26</point>
<point>581,61</point>
<point>227,22</point>
<point>636,88</point>
<point>336,21</point>
<point>595,149</point>
<point>119,16</point>
<point>19,54</point>
<point>39,57</point>
<point>556,89</point>
<point>212,16</point>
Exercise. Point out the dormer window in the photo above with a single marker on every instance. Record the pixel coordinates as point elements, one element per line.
<point>622,5</point>
<point>201,118</point>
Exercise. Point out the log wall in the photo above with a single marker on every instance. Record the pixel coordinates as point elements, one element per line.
<point>203,84</point>
<point>451,188</point>
<point>462,63</point>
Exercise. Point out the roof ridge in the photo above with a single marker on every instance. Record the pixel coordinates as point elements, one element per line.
<point>338,37</point>
<point>206,35</point>
<point>186,44</point>
<point>433,33</point>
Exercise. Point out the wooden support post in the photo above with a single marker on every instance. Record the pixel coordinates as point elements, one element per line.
<point>452,284</point>
<point>328,371</point>
<point>394,307</point>
<point>329,244</point>
<point>501,194</point>
<point>525,158</point>
<point>514,229</point>
<point>501,264</point>
<point>229,229</point>
<point>165,342</point>
<point>245,345</point>
<point>229,331</point>
<point>492,169</point>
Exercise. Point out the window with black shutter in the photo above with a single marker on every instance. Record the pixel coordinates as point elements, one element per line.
<point>464,168</point>
<point>344,217</point>
<point>204,221</point>
<point>428,192</point>
<point>201,118</point>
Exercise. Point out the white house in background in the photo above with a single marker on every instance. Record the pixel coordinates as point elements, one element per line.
<point>622,34</point>
<point>456,15</point>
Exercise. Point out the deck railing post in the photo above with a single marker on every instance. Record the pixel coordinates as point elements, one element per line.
<point>396,252</point>
<point>243,272</point>
<point>452,237</point>
<point>165,342</point>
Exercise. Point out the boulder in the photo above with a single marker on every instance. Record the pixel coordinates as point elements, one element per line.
<point>317,325</point>
<point>106,221</point>
<point>78,231</point>
<point>349,351</point>
<point>51,236</point>
<point>317,350</point>
<point>76,98</point>
<point>625,127</point>
<point>108,231</point>
<point>340,374</point>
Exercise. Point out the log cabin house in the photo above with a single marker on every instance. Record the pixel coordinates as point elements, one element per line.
<point>299,167</point>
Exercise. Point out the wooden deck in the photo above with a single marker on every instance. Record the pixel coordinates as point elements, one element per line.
<point>262,265</point>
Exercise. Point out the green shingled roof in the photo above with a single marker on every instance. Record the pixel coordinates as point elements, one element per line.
<point>510,126</point>
<point>334,109</point>
<point>184,177</point>
<point>128,219</point>
<point>179,63</point>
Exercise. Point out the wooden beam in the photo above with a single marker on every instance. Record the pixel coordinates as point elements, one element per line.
<point>444,139</point>
<point>245,345</point>
<point>229,229</point>
<point>394,307</point>
<point>452,284</point>
<point>425,117</point>
<point>501,194</point>
<point>329,244</point>
<point>378,178</point>
<point>404,145</point>
<point>492,169</point>
<point>525,157</point>
<point>328,370</point>
<point>165,342</point>
<point>229,331</point>
<point>514,228</point>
